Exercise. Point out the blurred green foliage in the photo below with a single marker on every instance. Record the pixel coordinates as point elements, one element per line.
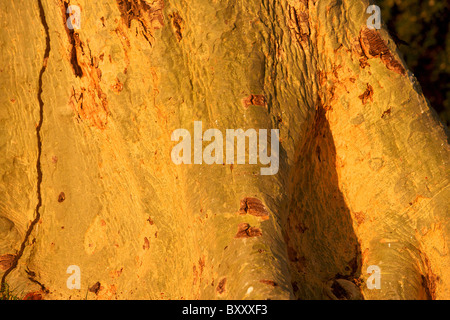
<point>421,30</point>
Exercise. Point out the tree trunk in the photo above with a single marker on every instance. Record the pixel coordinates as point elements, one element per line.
<point>88,178</point>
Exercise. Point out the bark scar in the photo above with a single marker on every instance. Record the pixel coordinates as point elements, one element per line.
<point>254,207</point>
<point>178,25</point>
<point>246,231</point>
<point>367,94</point>
<point>373,46</point>
<point>148,15</point>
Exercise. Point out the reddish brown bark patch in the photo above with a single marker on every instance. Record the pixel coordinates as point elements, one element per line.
<point>360,217</point>
<point>95,288</point>
<point>146,244</point>
<point>33,296</point>
<point>61,197</point>
<point>246,231</point>
<point>91,104</point>
<point>374,46</point>
<point>386,113</point>
<point>149,16</point>
<point>221,286</point>
<point>254,100</point>
<point>6,261</point>
<point>367,95</point>
<point>269,282</point>
<point>177,24</point>
<point>117,87</point>
<point>254,207</point>
<point>201,263</point>
<point>363,62</point>
<point>89,101</point>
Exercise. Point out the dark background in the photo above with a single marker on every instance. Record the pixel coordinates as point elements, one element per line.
<point>421,30</point>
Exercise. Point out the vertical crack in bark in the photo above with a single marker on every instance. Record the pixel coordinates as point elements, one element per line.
<point>75,43</point>
<point>39,145</point>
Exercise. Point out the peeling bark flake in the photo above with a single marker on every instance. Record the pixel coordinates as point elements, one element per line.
<point>254,207</point>
<point>254,100</point>
<point>367,95</point>
<point>374,46</point>
<point>246,231</point>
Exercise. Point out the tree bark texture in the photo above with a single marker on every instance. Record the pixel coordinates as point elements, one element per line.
<point>87,177</point>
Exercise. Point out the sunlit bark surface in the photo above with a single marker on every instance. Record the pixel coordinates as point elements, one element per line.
<point>87,177</point>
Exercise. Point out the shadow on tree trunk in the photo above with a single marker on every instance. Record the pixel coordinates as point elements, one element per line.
<point>322,245</point>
